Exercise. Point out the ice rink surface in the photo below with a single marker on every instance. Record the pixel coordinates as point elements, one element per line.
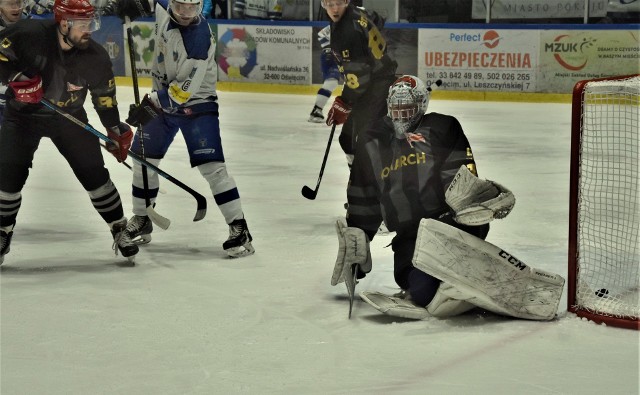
<point>188,320</point>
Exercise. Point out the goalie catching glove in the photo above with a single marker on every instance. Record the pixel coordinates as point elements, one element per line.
<point>475,201</point>
<point>353,249</point>
<point>120,143</point>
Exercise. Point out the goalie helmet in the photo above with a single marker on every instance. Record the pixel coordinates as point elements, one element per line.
<point>406,103</point>
<point>186,9</point>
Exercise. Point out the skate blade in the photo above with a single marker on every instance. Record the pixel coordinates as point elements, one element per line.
<point>142,239</point>
<point>238,252</point>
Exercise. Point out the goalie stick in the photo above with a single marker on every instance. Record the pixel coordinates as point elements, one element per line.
<point>312,193</point>
<point>161,221</point>
<point>200,200</point>
<point>350,281</point>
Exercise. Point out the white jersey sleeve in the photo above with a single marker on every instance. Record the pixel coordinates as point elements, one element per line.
<point>185,66</point>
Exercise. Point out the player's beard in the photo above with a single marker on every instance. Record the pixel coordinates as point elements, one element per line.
<point>80,43</point>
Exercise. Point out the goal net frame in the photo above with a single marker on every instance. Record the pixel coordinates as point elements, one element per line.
<point>603,267</point>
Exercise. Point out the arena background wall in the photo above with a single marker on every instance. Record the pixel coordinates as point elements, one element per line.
<point>500,62</point>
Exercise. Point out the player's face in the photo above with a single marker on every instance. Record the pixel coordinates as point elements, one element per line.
<point>185,13</point>
<point>335,8</point>
<point>79,32</point>
<point>11,10</point>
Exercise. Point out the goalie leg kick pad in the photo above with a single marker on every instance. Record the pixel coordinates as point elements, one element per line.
<point>490,277</point>
<point>447,302</point>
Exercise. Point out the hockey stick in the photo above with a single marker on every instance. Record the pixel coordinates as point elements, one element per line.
<point>162,222</point>
<point>435,85</point>
<point>200,200</point>
<point>312,193</point>
<point>128,166</point>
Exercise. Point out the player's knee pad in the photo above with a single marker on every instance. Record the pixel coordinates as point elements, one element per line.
<point>213,172</point>
<point>153,182</point>
<point>330,85</point>
<point>216,175</point>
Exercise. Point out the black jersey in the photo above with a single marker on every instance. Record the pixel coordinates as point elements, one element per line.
<point>404,180</point>
<point>31,47</point>
<point>361,52</point>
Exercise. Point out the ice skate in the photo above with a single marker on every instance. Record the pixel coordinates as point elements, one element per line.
<point>139,229</point>
<point>5,241</point>
<point>122,241</point>
<point>239,242</point>
<point>316,115</point>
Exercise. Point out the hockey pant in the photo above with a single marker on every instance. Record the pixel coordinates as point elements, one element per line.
<point>20,135</point>
<point>202,137</point>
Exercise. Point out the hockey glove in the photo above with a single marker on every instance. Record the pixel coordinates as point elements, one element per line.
<point>353,249</point>
<point>339,112</point>
<point>475,201</point>
<point>144,113</point>
<point>120,143</point>
<point>29,91</point>
<point>129,8</point>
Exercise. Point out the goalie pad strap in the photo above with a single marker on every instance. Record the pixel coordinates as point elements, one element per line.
<point>476,201</point>
<point>490,277</point>
<point>353,249</point>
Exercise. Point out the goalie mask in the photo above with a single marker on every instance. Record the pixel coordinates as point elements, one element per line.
<point>406,104</point>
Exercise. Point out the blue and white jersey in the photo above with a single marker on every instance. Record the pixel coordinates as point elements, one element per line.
<point>324,38</point>
<point>185,70</point>
<point>328,62</point>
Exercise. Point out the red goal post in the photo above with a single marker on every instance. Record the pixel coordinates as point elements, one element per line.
<point>604,212</point>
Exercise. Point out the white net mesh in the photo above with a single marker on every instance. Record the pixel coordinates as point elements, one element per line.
<point>608,277</point>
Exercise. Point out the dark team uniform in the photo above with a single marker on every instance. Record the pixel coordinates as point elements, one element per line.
<point>404,180</point>
<point>361,53</point>
<point>31,47</point>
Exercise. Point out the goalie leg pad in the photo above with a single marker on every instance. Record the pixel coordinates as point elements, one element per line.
<point>353,249</point>
<point>448,302</point>
<point>394,305</point>
<point>476,201</point>
<point>490,277</point>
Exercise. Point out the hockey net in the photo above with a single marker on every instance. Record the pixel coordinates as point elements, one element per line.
<point>604,219</point>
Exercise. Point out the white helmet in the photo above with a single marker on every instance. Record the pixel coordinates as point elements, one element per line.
<point>406,103</point>
<point>186,8</point>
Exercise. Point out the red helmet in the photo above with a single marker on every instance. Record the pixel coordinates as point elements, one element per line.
<point>73,9</point>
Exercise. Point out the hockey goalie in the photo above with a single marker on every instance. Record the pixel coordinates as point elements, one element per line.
<point>417,173</point>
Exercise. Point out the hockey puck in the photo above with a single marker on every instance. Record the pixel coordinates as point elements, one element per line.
<point>602,292</point>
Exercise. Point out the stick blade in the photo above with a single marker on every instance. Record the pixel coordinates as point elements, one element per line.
<point>162,222</point>
<point>202,208</point>
<point>309,193</point>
